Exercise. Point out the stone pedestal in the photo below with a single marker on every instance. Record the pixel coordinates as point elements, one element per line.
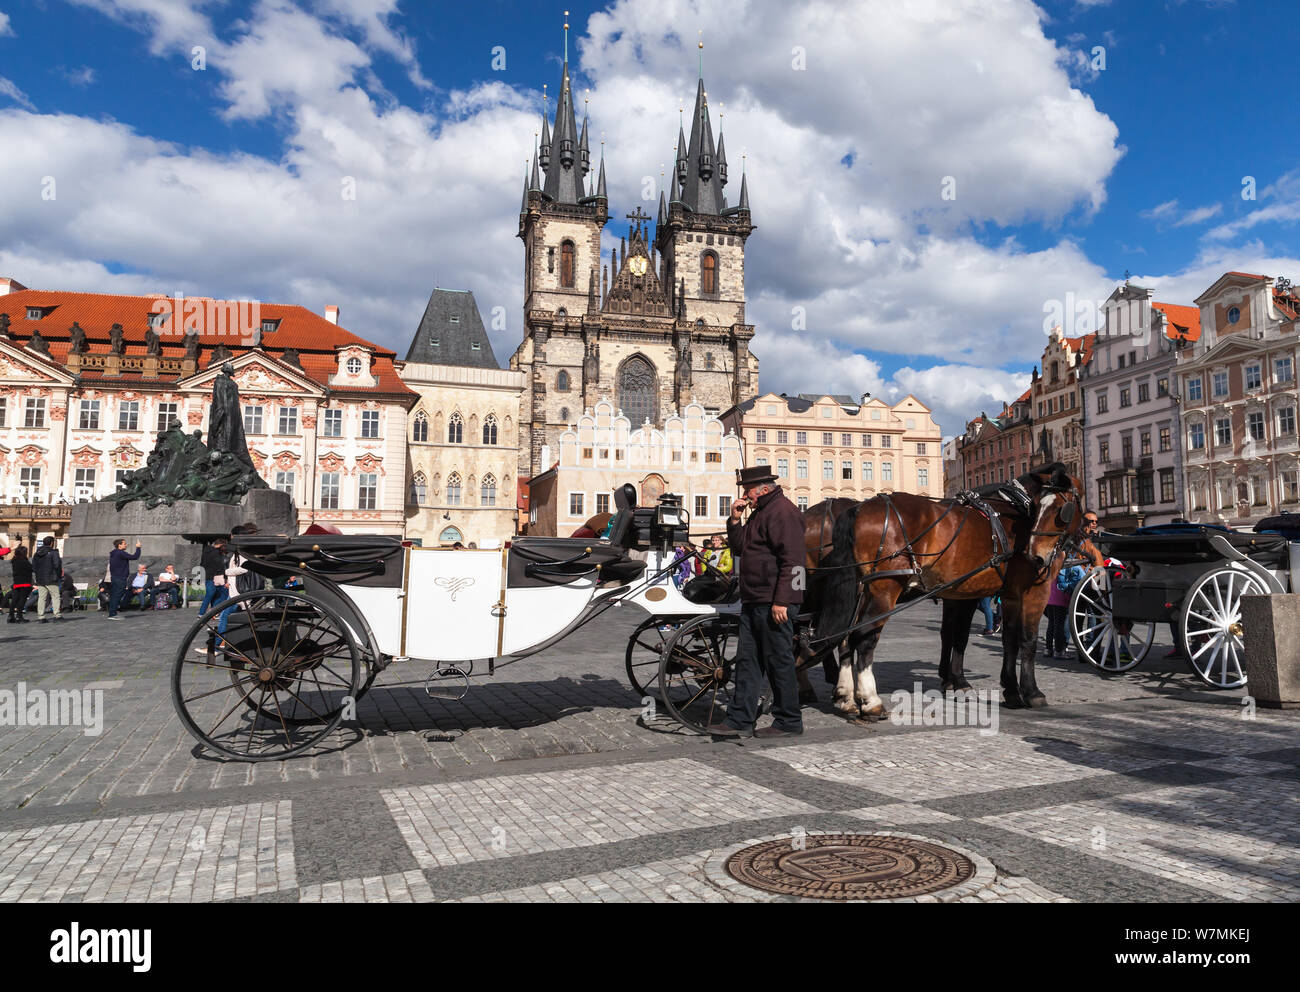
<point>1272,663</point>
<point>161,531</point>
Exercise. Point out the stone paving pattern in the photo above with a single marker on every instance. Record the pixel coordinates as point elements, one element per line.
<point>545,784</point>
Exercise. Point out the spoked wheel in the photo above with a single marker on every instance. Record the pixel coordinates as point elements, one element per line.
<point>274,684</point>
<point>1113,645</point>
<point>697,670</point>
<point>1211,625</point>
<point>644,649</point>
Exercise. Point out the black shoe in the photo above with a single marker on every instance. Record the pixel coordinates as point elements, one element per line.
<point>768,733</point>
<point>722,730</point>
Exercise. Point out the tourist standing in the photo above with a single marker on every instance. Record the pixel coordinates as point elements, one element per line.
<point>118,569</point>
<point>22,584</point>
<point>213,561</point>
<point>47,570</point>
<point>770,549</point>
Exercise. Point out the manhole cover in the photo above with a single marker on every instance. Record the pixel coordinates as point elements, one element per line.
<point>850,866</point>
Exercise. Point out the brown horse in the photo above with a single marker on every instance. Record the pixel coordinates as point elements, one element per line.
<point>902,544</point>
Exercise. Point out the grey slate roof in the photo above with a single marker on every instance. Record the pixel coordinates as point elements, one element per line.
<point>456,338</point>
<point>700,194</point>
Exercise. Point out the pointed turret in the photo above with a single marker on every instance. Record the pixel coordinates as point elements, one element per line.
<point>722,160</point>
<point>546,143</point>
<point>744,193</point>
<point>584,153</point>
<point>600,183</point>
<point>663,208</point>
<point>536,181</point>
<point>702,190</point>
<point>562,177</point>
<point>682,162</point>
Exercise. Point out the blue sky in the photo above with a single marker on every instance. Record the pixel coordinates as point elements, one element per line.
<point>224,181</point>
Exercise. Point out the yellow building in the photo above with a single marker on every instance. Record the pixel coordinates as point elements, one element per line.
<point>826,446</point>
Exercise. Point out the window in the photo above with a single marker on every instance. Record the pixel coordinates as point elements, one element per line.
<point>638,389</point>
<point>450,535</point>
<point>802,502</point>
<point>83,484</point>
<point>783,467</point>
<point>800,437</point>
<point>828,438</point>
<point>1254,376</point>
<point>866,440</point>
<point>35,313</point>
<point>1196,437</point>
<point>354,366</point>
<point>846,440</point>
<point>34,413</point>
<point>867,472</point>
<point>1165,444</point>
<point>1259,490</point>
<point>710,457</point>
<point>284,482</point>
<point>827,413</point>
<point>268,326</point>
<point>370,423</point>
<point>288,420</point>
<point>701,506</point>
<point>4,412</point>
<point>333,424</point>
<point>1125,398</point>
<point>782,437</point>
<point>89,420</point>
<point>490,429</point>
<point>589,453</point>
<point>1144,391</point>
<point>1255,425</point>
<point>1194,388</point>
<point>1234,315</point>
<point>1222,431</point>
<point>1101,495</point>
<point>1166,485</point>
<point>1286,421</point>
<point>920,447</point>
<point>828,470</point>
<point>886,471</point>
<point>252,420</point>
<point>167,412</point>
<point>1146,443</point>
<point>575,504</point>
<point>1146,492</point>
<point>1282,370</point>
<point>562,381</point>
<point>846,470</point>
<point>420,428</point>
<point>455,430</point>
<point>564,414</point>
<point>1290,485</point>
<point>368,491</point>
<point>487,494</point>
<point>709,274</point>
<point>1162,386</point>
<point>419,489</point>
<point>453,489</point>
<point>1220,384</point>
<point>724,507</point>
<point>886,441</point>
<point>566,263</point>
<point>801,468</point>
<point>29,483</point>
<point>329,491</point>
<point>760,437</point>
<point>602,502</point>
<point>1126,448</point>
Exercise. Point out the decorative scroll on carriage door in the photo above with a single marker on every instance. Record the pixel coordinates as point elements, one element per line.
<point>450,599</point>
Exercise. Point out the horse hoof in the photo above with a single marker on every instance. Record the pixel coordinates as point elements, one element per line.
<point>875,714</point>
<point>849,711</point>
<point>1013,700</point>
<point>1035,700</point>
<point>957,685</point>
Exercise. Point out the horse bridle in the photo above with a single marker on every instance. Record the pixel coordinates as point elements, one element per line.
<point>1061,536</point>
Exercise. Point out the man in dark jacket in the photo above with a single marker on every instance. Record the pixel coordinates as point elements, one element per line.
<point>119,564</point>
<point>770,552</point>
<point>213,560</point>
<point>47,570</point>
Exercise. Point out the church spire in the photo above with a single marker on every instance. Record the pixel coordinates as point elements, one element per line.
<point>600,183</point>
<point>702,186</point>
<point>565,170</point>
<point>744,192</point>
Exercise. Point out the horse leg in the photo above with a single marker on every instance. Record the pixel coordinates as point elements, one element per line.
<point>963,610</point>
<point>945,645</point>
<point>1032,607</point>
<point>844,702</point>
<point>807,694</point>
<point>870,706</point>
<point>1012,645</point>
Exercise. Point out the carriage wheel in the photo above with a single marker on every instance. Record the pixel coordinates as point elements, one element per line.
<point>1211,625</point>
<point>274,684</point>
<point>644,649</point>
<point>1109,644</point>
<point>697,670</point>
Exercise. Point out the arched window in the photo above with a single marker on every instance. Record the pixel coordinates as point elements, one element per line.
<point>453,490</point>
<point>420,431</point>
<point>638,389</point>
<point>708,360</point>
<point>419,489</point>
<point>455,430</point>
<point>566,263</point>
<point>488,491</point>
<point>709,274</point>
<point>490,429</point>
<point>450,535</point>
<point>562,382</point>
<point>564,414</point>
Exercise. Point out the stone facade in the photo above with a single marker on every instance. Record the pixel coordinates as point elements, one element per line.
<point>996,449</point>
<point>1237,385</point>
<point>1058,414</point>
<point>828,446</point>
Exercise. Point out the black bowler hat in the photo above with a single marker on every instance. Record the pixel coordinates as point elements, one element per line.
<point>755,475</point>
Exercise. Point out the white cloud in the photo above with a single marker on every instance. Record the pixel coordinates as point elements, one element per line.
<point>1171,213</point>
<point>1199,215</point>
<point>6,29</point>
<point>81,76</point>
<point>1282,205</point>
<point>170,24</point>
<point>10,89</point>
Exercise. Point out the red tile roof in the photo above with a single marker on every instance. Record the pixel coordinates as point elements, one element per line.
<point>1083,346</point>
<point>1287,303</point>
<point>311,335</point>
<point>1183,322</point>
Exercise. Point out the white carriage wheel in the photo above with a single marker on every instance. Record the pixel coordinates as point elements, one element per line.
<point>1093,630</point>
<point>1211,624</point>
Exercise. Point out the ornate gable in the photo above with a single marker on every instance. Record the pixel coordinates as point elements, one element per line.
<point>636,288</point>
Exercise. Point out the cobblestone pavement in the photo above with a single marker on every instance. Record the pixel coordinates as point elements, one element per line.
<point>546,784</point>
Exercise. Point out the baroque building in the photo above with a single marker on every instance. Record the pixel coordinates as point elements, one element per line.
<point>656,324</point>
<point>1058,410</point>
<point>995,449</point>
<point>463,451</point>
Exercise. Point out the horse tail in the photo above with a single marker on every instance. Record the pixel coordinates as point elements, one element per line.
<point>839,584</point>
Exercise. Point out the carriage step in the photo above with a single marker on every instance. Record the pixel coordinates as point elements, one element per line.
<point>448,682</point>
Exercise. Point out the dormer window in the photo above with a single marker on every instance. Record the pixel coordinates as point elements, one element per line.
<point>455,319</point>
<point>270,325</point>
<point>475,346</point>
<point>354,366</point>
<point>434,342</point>
<point>36,313</point>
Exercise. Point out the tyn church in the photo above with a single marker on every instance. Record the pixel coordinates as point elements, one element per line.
<point>657,324</point>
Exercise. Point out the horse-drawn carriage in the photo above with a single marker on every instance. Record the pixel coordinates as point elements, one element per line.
<point>1189,576</point>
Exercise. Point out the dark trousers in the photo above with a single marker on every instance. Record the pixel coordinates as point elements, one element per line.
<point>765,650</point>
<point>116,593</point>
<point>1057,639</point>
<point>18,601</point>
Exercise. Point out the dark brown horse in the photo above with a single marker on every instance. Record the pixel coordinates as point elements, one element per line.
<point>901,544</point>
